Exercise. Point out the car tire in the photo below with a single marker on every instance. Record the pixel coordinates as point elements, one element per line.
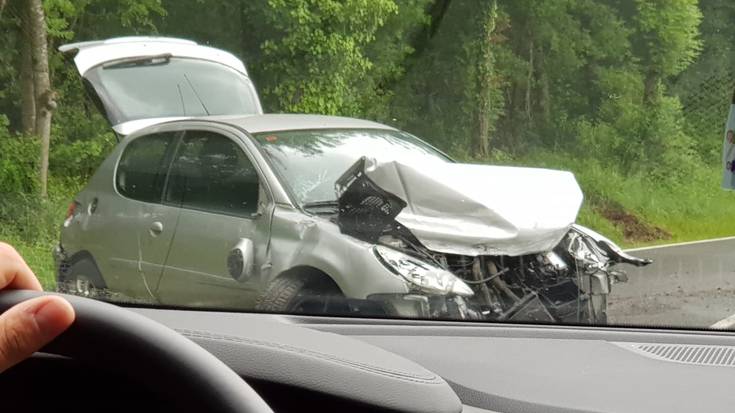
<point>299,293</point>
<point>82,278</point>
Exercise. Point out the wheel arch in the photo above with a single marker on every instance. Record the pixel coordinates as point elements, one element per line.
<point>81,262</point>
<point>316,277</point>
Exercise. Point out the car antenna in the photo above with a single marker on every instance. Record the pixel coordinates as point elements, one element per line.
<point>197,95</point>
<point>181,97</point>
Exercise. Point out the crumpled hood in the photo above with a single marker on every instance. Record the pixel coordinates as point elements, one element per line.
<point>475,210</point>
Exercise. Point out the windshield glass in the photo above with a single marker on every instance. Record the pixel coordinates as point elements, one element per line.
<point>589,173</point>
<point>310,161</point>
<point>167,87</point>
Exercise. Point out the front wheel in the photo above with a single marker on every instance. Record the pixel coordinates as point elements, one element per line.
<point>301,294</point>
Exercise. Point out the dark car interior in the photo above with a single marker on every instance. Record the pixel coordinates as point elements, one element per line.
<point>304,363</point>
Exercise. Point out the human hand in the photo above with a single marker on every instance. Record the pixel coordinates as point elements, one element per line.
<point>30,325</point>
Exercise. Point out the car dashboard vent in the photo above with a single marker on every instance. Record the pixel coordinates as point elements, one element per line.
<point>723,356</point>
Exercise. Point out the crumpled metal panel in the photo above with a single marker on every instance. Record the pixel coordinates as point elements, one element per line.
<point>475,210</point>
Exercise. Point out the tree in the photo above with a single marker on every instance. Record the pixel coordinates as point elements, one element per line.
<point>487,90</point>
<point>34,24</point>
<point>314,56</point>
<point>28,95</point>
<point>667,41</point>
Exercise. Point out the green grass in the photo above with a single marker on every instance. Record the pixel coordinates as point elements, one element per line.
<point>32,226</point>
<point>38,256</point>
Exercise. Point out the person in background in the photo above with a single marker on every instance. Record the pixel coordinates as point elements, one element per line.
<point>31,324</point>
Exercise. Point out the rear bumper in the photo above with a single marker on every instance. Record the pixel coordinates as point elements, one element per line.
<point>61,260</point>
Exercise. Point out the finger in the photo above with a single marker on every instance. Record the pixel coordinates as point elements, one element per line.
<point>14,272</point>
<point>30,325</point>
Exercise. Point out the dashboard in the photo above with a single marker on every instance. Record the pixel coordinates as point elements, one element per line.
<point>302,363</point>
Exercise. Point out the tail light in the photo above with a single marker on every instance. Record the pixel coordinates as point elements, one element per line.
<point>72,208</point>
<point>71,212</point>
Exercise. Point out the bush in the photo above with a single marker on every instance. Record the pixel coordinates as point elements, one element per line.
<point>79,159</point>
<point>18,162</point>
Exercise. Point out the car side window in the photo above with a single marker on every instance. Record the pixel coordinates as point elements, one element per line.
<point>141,172</point>
<point>210,172</point>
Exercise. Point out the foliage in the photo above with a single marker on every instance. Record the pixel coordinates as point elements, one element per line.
<point>315,58</point>
<point>18,162</point>
<point>669,34</point>
<point>629,94</point>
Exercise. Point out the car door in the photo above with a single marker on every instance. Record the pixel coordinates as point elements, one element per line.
<point>137,228</point>
<point>222,204</point>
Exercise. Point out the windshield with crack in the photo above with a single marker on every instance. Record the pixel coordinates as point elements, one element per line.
<point>311,161</point>
<point>499,161</point>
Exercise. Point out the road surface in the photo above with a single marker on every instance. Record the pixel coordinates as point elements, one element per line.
<point>688,285</point>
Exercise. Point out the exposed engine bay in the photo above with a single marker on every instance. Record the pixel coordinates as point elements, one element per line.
<point>567,283</point>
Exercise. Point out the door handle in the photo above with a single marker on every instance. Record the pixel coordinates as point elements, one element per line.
<point>156,228</point>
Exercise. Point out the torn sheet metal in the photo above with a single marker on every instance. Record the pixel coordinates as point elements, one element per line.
<point>475,210</point>
<point>365,209</point>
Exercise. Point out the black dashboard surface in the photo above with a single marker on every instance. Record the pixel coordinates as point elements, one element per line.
<point>337,364</point>
<point>516,368</point>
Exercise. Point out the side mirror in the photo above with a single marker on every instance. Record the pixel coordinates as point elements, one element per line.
<point>240,260</point>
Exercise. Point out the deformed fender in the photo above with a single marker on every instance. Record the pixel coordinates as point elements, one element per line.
<point>313,241</point>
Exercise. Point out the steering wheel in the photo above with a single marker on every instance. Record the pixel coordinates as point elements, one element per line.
<point>149,353</point>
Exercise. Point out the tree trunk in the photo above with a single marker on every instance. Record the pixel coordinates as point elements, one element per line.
<point>28,94</point>
<point>529,80</point>
<point>45,102</point>
<point>545,98</point>
<point>485,74</point>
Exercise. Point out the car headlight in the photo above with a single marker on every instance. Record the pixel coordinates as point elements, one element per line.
<point>422,275</point>
<point>589,256</point>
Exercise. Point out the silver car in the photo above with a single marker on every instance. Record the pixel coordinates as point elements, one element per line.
<point>309,213</point>
<point>305,213</point>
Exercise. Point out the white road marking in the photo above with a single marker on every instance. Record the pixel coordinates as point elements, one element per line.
<point>704,241</point>
<point>726,323</point>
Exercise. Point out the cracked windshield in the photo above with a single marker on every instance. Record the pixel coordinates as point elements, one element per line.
<point>535,161</point>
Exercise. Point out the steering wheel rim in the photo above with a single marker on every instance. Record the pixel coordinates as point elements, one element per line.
<point>136,346</point>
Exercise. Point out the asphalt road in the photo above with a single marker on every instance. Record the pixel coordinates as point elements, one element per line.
<point>688,285</point>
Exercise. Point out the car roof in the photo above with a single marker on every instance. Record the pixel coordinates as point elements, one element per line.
<point>285,122</point>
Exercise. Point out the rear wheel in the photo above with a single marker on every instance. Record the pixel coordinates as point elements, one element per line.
<point>82,278</point>
<point>301,293</point>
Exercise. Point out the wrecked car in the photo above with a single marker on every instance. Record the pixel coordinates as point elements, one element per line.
<point>331,215</point>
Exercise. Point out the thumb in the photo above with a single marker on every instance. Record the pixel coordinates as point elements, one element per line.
<point>30,325</point>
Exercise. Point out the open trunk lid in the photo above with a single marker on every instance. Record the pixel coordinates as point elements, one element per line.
<point>139,81</point>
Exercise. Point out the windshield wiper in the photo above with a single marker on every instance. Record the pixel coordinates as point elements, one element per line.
<point>159,59</point>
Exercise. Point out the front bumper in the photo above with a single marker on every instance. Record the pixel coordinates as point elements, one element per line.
<point>424,306</point>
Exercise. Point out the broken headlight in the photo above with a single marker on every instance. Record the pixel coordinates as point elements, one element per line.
<point>586,254</point>
<point>421,275</point>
